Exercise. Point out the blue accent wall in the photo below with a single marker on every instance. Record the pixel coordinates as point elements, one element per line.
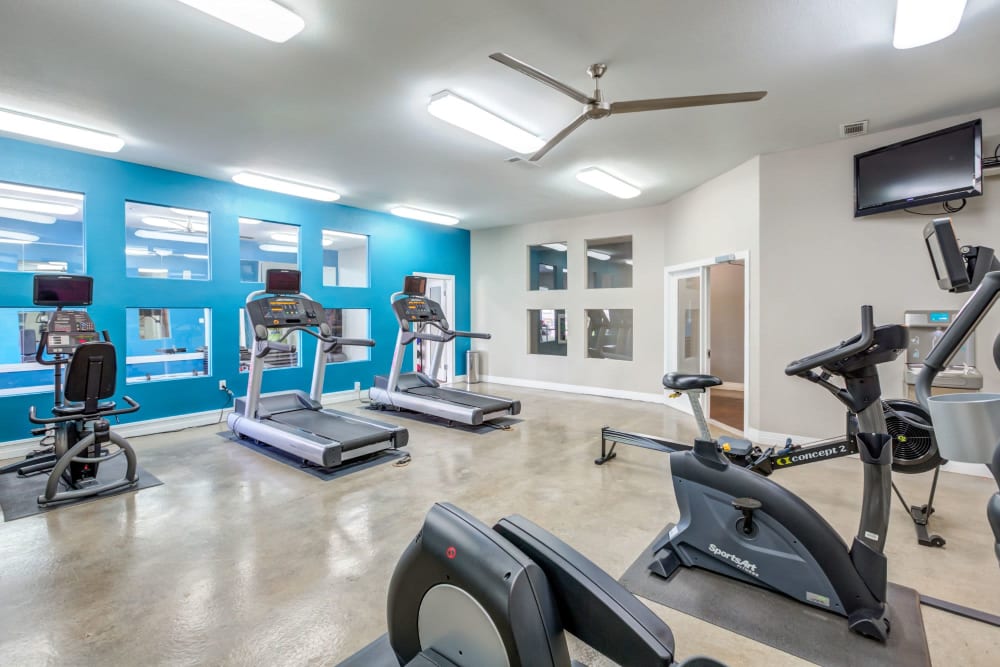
<point>396,248</point>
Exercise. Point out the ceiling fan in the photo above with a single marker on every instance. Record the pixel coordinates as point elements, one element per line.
<point>596,108</point>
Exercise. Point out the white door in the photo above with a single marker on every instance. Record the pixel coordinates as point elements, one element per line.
<point>440,288</point>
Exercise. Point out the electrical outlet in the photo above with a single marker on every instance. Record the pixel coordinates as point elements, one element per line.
<point>223,386</point>
<point>357,386</point>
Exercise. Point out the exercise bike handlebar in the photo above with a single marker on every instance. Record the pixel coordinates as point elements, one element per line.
<point>133,406</point>
<point>847,348</point>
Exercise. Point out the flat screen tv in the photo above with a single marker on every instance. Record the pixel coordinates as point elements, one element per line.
<point>62,290</point>
<point>935,167</point>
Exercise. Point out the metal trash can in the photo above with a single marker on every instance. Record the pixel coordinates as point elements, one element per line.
<point>966,426</point>
<point>473,359</point>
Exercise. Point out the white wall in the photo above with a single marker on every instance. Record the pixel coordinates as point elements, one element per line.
<point>716,218</point>
<point>818,265</point>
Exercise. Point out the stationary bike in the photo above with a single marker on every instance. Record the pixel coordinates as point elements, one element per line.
<point>79,433</point>
<point>742,525</point>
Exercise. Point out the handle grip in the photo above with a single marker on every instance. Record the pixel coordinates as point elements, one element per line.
<point>849,347</point>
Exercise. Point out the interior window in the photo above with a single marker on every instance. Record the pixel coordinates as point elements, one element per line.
<point>547,268</point>
<point>41,230</point>
<point>166,242</point>
<point>266,245</point>
<point>166,343</point>
<point>345,259</point>
<point>547,332</point>
<point>609,334</point>
<point>609,262</point>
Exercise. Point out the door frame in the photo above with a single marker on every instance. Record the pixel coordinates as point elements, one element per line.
<point>671,274</point>
<point>448,358</point>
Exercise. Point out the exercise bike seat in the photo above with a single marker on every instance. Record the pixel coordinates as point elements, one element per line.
<point>682,382</point>
<point>81,409</point>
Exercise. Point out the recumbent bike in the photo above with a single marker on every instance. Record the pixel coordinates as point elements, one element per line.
<point>78,436</point>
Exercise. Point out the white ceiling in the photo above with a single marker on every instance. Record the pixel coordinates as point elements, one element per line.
<point>344,103</point>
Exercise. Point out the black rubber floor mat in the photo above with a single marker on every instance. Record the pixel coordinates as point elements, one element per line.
<point>781,622</point>
<point>325,474</point>
<point>18,495</point>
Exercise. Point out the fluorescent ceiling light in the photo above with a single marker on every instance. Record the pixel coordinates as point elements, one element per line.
<point>137,252</point>
<point>168,236</point>
<point>51,266</point>
<point>346,235</point>
<point>249,221</point>
<point>272,247</point>
<point>17,237</point>
<point>602,180</point>
<point>558,247</point>
<point>451,108</point>
<point>597,254</point>
<point>51,208</point>
<point>40,192</point>
<point>426,216</point>
<point>285,237</point>
<point>153,272</point>
<point>263,18</point>
<point>163,252</point>
<point>60,133</point>
<point>629,262</point>
<point>27,217</point>
<point>191,256</point>
<point>920,22</point>
<point>189,213</point>
<point>565,270</point>
<point>285,187</point>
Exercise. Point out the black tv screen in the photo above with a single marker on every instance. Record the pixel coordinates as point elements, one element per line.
<point>936,167</point>
<point>282,281</point>
<point>63,290</point>
<point>415,285</point>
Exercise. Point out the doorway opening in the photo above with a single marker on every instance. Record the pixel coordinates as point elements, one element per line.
<point>440,288</point>
<point>707,303</point>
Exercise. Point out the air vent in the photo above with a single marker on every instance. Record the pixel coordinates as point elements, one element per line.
<point>854,129</point>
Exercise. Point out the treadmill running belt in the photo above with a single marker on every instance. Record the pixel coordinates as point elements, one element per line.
<point>350,434</point>
<point>486,403</point>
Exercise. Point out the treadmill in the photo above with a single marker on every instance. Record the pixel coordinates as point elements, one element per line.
<point>293,421</point>
<point>422,318</point>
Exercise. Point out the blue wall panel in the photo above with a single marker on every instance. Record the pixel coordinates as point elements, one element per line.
<point>397,247</point>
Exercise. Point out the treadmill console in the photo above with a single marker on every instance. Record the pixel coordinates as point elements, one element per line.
<point>418,309</point>
<point>279,312</point>
<point>68,330</point>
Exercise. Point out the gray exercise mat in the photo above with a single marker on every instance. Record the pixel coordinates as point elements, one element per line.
<point>781,622</point>
<point>18,495</point>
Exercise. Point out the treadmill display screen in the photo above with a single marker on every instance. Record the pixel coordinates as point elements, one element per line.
<point>283,281</point>
<point>63,290</point>
<point>415,285</point>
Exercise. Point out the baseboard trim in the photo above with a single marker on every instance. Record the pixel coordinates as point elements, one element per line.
<point>19,448</point>
<point>577,389</point>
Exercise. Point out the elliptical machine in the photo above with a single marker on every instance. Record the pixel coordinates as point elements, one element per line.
<point>79,431</point>
<point>742,525</point>
<point>465,595</point>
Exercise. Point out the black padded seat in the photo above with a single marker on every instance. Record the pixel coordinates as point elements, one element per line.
<point>682,382</point>
<point>79,409</point>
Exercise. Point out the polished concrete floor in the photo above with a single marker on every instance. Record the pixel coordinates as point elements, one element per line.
<point>239,560</point>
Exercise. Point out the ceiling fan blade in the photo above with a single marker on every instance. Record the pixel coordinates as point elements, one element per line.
<point>565,132</point>
<point>538,75</point>
<point>679,102</point>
